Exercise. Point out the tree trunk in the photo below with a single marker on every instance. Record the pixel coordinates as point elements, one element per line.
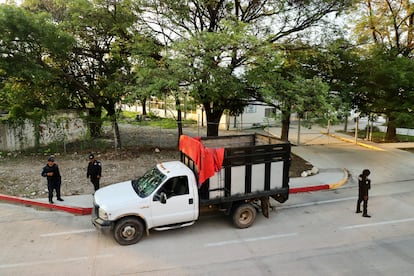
<point>117,134</point>
<point>144,106</point>
<point>285,125</point>
<point>95,122</point>
<point>179,119</point>
<point>112,114</point>
<point>346,124</point>
<point>391,135</point>
<point>213,117</point>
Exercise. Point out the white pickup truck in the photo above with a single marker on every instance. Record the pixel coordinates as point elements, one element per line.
<point>234,174</point>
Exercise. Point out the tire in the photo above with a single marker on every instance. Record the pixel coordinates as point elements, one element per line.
<point>244,215</point>
<point>128,231</point>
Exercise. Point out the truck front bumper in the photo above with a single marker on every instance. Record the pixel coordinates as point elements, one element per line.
<point>104,226</point>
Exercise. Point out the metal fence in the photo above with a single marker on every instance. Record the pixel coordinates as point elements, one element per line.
<point>150,132</point>
<point>139,135</point>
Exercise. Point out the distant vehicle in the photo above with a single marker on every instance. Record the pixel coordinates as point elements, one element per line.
<point>233,174</point>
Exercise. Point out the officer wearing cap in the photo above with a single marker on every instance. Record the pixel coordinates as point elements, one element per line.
<point>54,179</point>
<point>94,171</point>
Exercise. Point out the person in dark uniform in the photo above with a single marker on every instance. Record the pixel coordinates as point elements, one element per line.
<point>364,186</point>
<point>94,171</point>
<point>54,179</point>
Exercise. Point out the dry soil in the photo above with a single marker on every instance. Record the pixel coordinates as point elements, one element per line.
<point>20,172</point>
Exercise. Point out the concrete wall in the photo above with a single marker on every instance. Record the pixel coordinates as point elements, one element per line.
<point>65,127</point>
<point>16,136</point>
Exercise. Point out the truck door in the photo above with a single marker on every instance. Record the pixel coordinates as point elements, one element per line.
<point>179,206</point>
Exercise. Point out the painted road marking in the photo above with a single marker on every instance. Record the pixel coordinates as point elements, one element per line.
<point>67,233</point>
<point>66,260</point>
<point>223,243</point>
<point>377,223</point>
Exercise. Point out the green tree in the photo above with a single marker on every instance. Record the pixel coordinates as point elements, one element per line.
<point>336,64</point>
<point>389,26</point>
<point>150,72</point>
<point>219,38</point>
<point>386,86</point>
<point>388,23</point>
<point>283,83</point>
<point>200,65</point>
<point>97,67</point>
<point>31,47</point>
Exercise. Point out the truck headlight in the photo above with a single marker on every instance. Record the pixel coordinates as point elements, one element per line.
<point>102,214</point>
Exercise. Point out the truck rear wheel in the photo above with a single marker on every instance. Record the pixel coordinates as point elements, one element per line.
<point>128,231</point>
<point>244,215</point>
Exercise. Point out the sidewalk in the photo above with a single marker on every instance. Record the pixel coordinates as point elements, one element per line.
<point>76,204</point>
<point>324,180</point>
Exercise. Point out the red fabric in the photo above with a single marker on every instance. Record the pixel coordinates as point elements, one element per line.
<point>207,160</point>
<point>191,147</point>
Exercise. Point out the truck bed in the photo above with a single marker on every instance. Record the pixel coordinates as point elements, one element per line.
<point>254,166</point>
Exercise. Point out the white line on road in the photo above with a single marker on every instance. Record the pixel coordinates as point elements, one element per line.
<point>250,240</point>
<point>67,233</point>
<point>377,223</point>
<point>66,260</point>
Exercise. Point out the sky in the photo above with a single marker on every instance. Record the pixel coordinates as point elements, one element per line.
<point>15,1</point>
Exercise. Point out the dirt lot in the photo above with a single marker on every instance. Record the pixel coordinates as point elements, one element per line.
<point>20,173</point>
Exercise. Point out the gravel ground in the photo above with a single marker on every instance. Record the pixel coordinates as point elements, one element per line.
<point>20,173</point>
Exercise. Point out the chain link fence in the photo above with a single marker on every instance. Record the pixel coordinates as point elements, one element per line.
<point>144,135</point>
<point>147,132</point>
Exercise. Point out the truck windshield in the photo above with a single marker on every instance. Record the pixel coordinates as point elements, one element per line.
<point>147,183</point>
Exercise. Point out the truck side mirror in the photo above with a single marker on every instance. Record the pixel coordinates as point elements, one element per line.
<point>163,198</point>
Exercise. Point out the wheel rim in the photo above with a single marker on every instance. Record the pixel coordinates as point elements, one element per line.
<point>245,217</point>
<point>128,232</point>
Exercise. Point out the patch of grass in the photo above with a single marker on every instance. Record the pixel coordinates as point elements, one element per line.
<point>164,123</point>
<point>379,137</point>
<point>151,120</point>
<point>129,115</point>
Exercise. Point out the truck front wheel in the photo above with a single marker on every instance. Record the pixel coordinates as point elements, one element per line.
<point>128,231</point>
<point>244,215</point>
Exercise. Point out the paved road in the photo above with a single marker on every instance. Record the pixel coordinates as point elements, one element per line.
<point>314,233</point>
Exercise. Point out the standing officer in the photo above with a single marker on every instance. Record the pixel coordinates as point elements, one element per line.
<point>364,185</point>
<point>94,171</point>
<point>54,180</point>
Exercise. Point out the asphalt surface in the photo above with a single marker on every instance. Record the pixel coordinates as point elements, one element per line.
<point>325,178</point>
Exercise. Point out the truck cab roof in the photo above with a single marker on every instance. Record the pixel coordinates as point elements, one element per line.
<point>174,168</point>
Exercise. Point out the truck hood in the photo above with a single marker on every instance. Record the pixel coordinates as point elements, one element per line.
<point>116,196</point>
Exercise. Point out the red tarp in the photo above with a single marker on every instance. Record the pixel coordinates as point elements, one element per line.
<point>207,160</point>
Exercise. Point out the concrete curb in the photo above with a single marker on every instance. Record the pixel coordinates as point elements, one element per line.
<point>322,186</point>
<point>353,142</point>
<point>30,202</point>
<point>308,189</point>
<point>342,182</point>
